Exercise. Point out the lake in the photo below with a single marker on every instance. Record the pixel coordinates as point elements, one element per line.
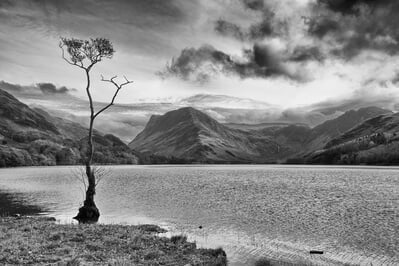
<point>252,211</point>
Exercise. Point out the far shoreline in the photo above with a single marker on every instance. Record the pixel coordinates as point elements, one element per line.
<point>354,166</point>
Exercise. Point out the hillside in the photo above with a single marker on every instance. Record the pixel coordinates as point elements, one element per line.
<point>190,134</point>
<point>15,115</point>
<point>375,141</point>
<point>323,133</point>
<point>34,137</point>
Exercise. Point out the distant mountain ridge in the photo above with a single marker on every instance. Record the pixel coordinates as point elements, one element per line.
<point>32,136</point>
<point>190,134</point>
<point>127,120</point>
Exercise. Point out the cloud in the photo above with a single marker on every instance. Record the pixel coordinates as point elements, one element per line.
<point>265,62</point>
<point>38,89</point>
<point>320,27</point>
<point>351,27</point>
<point>229,29</point>
<point>201,64</point>
<point>263,28</point>
<point>257,44</point>
<point>307,53</point>
<point>256,31</point>
<point>267,25</point>
<point>273,52</point>
<point>134,12</point>
<point>198,64</point>
<point>49,88</point>
<point>135,20</point>
<point>254,4</point>
<point>10,87</point>
<point>6,3</point>
<point>353,6</point>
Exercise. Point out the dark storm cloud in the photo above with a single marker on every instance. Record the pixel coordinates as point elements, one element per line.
<point>201,64</point>
<point>320,27</point>
<point>5,3</point>
<point>226,28</point>
<point>266,60</point>
<point>353,6</point>
<point>306,53</point>
<point>263,28</point>
<point>198,64</point>
<point>254,4</point>
<point>266,26</point>
<point>256,31</point>
<point>356,26</point>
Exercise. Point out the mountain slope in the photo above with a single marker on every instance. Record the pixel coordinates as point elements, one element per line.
<point>375,141</point>
<point>322,134</point>
<point>190,134</point>
<point>34,137</point>
<point>16,115</point>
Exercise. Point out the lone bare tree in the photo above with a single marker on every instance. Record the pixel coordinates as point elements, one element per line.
<point>85,54</point>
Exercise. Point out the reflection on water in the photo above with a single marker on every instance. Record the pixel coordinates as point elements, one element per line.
<point>14,204</point>
<point>277,212</point>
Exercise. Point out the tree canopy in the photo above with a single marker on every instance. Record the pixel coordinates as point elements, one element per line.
<point>86,53</point>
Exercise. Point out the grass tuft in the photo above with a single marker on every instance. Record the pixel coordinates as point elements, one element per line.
<point>178,239</point>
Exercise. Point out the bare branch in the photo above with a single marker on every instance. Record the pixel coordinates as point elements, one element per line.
<point>127,81</point>
<point>100,173</point>
<point>108,80</point>
<point>79,174</point>
<point>118,88</point>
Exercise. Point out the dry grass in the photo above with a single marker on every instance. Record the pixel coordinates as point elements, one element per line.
<point>40,241</point>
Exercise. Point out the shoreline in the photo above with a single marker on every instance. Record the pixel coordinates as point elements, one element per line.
<point>40,240</point>
<point>371,166</point>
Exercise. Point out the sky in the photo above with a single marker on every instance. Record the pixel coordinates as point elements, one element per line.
<point>289,53</point>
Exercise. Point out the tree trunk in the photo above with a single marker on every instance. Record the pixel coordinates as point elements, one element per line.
<point>89,213</point>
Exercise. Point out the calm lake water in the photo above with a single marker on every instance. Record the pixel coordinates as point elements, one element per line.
<point>276,212</point>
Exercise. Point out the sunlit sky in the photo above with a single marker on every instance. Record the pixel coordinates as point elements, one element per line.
<point>285,52</point>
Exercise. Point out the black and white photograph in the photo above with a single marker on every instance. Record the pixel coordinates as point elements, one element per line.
<point>199,132</point>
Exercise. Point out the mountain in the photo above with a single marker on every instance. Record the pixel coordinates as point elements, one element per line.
<point>323,133</point>
<point>127,120</point>
<point>190,134</point>
<point>16,115</point>
<point>387,124</point>
<point>31,136</point>
<point>375,141</point>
